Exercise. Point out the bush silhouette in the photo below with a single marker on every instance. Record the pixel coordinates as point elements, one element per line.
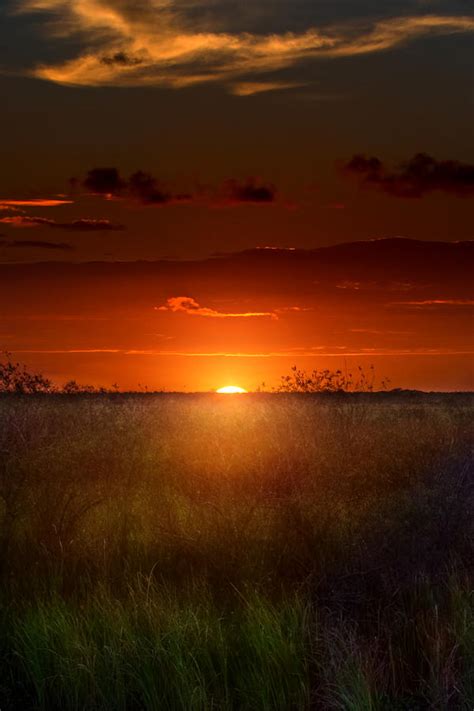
<point>16,378</point>
<point>330,381</point>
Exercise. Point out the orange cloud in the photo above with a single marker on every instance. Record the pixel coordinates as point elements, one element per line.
<point>372,352</point>
<point>154,47</point>
<point>24,221</point>
<point>36,202</point>
<point>294,309</point>
<point>249,88</point>
<point>190,306</point>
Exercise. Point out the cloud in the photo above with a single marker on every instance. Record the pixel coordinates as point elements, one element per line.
<point>147,190</point>
<point>190,306</point>
<point>372,352</point>
<point>144,188</point>
<point>8,211</point>
<point>34,202</point>
<point>89,225</point>
<point>249,191</point>
<point>25,221</point>
<point>157,44</point>
<point>104,181</point>
<point>386,285</point>
<point>81,225</point>
<point>121,59</point>
<point>250,88</point>
<point>415,178</point>
<point>435,302</point>
<point>36,244</point>
<point>141,186</point>
<point>292,309</point>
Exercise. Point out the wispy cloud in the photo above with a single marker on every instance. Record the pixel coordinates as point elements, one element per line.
<point>72,351</point>
<point>293,309</point>
<point>435,302</point>
<point>36,244</point>
<point>250,88</point>
<point>81,225</point>
<point>188,305</point>
<point>156,47</point>
<point>364,352</point>
<point>34,202</point>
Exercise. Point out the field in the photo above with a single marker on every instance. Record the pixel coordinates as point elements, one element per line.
<point>266,551</point>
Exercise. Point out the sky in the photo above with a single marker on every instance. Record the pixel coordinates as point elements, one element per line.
<point>201,193</point>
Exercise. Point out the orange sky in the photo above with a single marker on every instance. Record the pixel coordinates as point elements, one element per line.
<point>244,318</point>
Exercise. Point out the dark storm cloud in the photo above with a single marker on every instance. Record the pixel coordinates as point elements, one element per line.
<point>36,244</point>
<point>416,177</point>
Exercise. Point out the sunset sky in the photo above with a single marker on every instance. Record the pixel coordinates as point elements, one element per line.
<point>195,193</point>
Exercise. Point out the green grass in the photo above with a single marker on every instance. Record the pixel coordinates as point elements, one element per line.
<point>150,650</point>
<point>265,552</point>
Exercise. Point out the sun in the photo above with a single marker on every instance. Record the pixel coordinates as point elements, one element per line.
<point>231,390</point>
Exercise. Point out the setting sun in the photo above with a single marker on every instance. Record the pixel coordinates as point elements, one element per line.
<point>231,390</point>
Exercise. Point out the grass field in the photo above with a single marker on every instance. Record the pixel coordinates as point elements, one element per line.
<point>266,551</point>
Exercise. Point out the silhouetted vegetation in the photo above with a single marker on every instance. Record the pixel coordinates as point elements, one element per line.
<point>267,551</point>
<point>15,377</point>
<point>331,381</point>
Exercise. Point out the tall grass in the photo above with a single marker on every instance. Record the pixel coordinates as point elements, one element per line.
<point>264,552</point>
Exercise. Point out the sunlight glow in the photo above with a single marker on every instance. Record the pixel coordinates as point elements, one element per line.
<point>231,390</point>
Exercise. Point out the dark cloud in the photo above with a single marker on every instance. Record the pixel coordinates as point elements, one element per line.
<point>36,244</point>
<point>141,186</point>
<point>144,187</point>
<point>121,59</point>
<point>104,181</point>
<point>249,191</point>
<point>415,178</point>
<point>81,225</point>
